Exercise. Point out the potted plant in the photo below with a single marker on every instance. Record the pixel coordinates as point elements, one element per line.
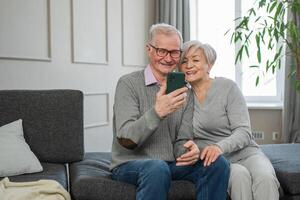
<point>274,31</point>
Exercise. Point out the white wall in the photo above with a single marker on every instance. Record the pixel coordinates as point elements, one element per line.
<point>75,44</point>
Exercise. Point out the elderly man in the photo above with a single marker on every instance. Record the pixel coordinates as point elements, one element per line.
<point>152,142</point>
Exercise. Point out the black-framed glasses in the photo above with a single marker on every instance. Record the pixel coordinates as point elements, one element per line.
<point>164,52</point>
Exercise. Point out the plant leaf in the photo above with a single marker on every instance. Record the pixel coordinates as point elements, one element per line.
<point>267,65</point>
<point>273,68</point>
<point>252,11</point>
<point>246,49</point>
<point>264,32</point>
<point>279,63</point>
<point>276,34</point>
<point>257,81</point>
<point>262,37</point>
<point>237,18</point>
<point>281,30</point>
<point>248,36</point>
<point>273,6</point>
<point>254,66</point>
<point>239,55</point>
<point>261,3</point>
<point>270,31</point>
<point>278,53</point>
<point>278,10</point>
<point>257,38</point>
<point>232,36</point>
<point>257,19</point>
<point>268,7</point>
<point>259,55</point>
<point>270,44</point>
<point>238,37</point>
<point>227,32</point>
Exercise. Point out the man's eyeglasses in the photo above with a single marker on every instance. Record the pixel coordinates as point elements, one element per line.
<point>164,52</point>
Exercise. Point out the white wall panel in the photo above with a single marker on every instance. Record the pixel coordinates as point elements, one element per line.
<point>25,29</point>
<point>98,139</point>
<point>96,108</point>
<point>136,20</point>
<point>89,31</point>
<point>84,31</point>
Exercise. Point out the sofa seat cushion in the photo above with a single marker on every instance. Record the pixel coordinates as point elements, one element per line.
<point>286,162</point>
<point>91,179</point>
<point>51,171</point>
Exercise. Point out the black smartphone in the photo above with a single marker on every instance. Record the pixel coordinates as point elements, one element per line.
<point>175,80</point>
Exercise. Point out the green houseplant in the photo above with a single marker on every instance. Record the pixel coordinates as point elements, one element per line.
<point>274,32</point>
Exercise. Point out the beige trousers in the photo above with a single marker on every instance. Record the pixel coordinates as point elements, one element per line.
<point>253,178</point>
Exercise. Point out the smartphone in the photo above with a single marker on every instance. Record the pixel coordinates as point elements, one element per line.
<point>175,80</point>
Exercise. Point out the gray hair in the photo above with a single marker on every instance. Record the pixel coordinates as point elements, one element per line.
<point>165,29</point>
<point>209,52</point>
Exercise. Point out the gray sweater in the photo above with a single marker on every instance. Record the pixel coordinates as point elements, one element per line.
<point>134,118</point>
<point>223,119</point>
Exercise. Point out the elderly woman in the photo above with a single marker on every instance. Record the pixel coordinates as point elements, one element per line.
<point>222,126</point>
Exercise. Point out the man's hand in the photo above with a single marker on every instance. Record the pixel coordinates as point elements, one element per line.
<point>191,157</point>
<point>168,103</point>
<point>210,154</point>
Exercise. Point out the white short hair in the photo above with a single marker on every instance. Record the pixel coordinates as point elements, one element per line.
<point>209,52</point>
<point>165,29</point>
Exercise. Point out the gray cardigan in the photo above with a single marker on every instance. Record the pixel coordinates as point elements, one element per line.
<point>223,119</point>
<point>134,118</point>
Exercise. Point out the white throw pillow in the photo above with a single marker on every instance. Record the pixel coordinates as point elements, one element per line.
<point>15,155</point>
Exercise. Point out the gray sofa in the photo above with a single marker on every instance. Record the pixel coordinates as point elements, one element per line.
<point>285,159</point>
<point>53,127</point>
<point>92,173</point>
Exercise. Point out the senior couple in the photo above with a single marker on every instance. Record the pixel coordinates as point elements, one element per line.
<point>201,134</point>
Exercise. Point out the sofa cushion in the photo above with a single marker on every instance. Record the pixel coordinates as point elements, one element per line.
<point>286,162</point>
<point>51,171</point>
<point>15,154</point>
<point>290,197</point>
<point>91,179</point>
<point>48,115</point>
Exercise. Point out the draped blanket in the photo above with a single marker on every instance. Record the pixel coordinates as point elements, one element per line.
<point>37,190</point>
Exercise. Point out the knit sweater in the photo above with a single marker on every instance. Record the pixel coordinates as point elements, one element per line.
<point>134,118</point>
<point>223,119</point>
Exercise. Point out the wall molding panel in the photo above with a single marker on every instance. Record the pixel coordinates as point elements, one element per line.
<point>81,45</point>
<point>136,20</point>
<point>89,32</point>
<point>25,30</point>
<point>96,110</point>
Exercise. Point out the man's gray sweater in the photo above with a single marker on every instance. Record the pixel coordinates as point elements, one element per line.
<point>135,118</point>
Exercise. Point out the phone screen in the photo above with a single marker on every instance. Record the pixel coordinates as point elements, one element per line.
<point>175,80</point>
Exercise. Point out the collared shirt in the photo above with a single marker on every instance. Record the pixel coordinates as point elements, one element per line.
<point>149,76</point>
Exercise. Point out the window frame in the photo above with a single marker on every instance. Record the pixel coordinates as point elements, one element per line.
<point>252,101</point>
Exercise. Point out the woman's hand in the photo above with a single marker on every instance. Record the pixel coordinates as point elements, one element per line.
<point>210,154</point>
<point>191,157</point>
